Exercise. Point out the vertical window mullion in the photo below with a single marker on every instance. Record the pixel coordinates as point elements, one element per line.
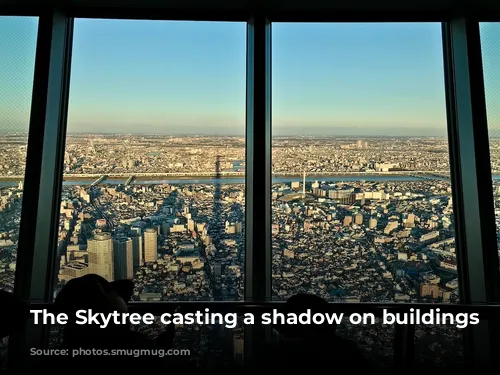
<point>258,159</point>
<point>35,274</point>
<point>40,213</point>
<point>471,179</point>
<point>258,176</point>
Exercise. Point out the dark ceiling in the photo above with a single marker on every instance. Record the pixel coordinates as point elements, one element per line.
<point>377,8</point>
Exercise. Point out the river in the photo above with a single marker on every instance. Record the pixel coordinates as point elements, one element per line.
<point>241,180</point>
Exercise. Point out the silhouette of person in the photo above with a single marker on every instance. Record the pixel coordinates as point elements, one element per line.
<point>302,345</point>
<point>93,292</point>
<point>14,312</point>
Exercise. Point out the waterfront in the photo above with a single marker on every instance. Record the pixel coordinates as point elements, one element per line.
<point>241,180</point>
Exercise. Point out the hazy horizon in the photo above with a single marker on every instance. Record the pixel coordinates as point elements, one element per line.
<point>318,132</point>
<point>189,78</point>
<point>206,134</point>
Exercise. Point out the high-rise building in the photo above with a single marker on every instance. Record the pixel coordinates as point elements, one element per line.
<point>165,228</point>
<point>136,228</point>
<point>347,221</point>
<point>123,258</point>
<point>372,223</point>
<point>150,245</point>
<point>138,258</point>
<point>359,218</point>
<point>100,251</point>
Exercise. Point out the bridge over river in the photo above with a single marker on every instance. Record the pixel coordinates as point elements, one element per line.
<point>235,177</point>
<point>319,175</point>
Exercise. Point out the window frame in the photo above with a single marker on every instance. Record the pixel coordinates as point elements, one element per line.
<point>479,277</point>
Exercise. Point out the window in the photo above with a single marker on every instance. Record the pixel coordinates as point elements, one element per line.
<point>18,40</point>
<point>17,63</point>
<point>361,199</point>
<point>154,166</point>
<point>490,39</point>
<point>154,182</point>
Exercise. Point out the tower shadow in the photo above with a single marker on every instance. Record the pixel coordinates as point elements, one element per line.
<point>217,224</point>
<point>218,176</point>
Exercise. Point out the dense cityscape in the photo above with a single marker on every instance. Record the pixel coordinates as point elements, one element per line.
<point>354,220</point>
<point>361,205</point>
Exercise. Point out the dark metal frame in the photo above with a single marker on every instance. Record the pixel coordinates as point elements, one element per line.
<point>467,129</point>
<point>43,176</point>
<point>276,10</point>
<point>258,171</point>
<point>44,160</point>
<point>258,174</point>
<point>471,179</point>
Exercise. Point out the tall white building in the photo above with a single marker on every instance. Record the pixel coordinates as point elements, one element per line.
<point>100,250</point>
<point>150,245</point>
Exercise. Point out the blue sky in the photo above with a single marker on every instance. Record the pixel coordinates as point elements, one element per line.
<point>490,48</point>
<point>17,61</point>
<point>189,77</point>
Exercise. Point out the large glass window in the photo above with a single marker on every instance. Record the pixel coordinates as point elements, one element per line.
<point>17,63</point>
<point>361,198</point>
<point>490,42</point>
<point>154,166</point>
<point>18,41</point>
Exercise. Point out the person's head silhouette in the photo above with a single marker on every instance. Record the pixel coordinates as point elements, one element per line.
<point>92,292</point>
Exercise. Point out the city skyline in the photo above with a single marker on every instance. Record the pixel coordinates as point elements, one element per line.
<point>343,132</point>
<point>208,135</point>
<point>154,171</point>
<point>391,222</point>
